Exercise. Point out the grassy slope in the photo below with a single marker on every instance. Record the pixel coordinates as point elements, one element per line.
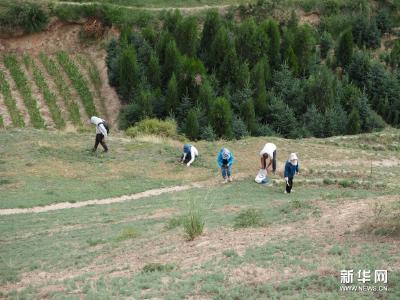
<point>100,251</point>
<point>40,168</point>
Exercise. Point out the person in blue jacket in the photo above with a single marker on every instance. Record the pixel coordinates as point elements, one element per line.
<point>291,169</point>
<point>225,161</point>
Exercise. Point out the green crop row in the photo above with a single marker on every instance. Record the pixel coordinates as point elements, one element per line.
<point>78,82</point>
<point>1,122</point>
<point>94,76</point>
<point>54,71</point>
<point>15,114</point>
<point>11,62</point>
<point>48,96</point>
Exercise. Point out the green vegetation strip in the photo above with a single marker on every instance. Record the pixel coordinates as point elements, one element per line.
<point>55,72</point>
<point>48,96</point>
<point>94,76</point>
<point>24,88</point>
<point>78,82</point>
<point>15,115</point>
<point>1,122</point>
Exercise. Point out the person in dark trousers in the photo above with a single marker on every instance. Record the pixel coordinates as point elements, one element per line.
<point>225,161</point>
<point>291,169</point>
<point>268,152</point>
<point>101,133</point>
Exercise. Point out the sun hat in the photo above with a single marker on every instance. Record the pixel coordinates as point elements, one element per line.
<point>226,153</point>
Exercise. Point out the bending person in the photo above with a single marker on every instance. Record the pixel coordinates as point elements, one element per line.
<point>268,153</point>
<point>189,154</point>
<point>225,161</point>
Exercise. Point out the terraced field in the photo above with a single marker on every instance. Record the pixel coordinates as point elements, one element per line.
<point>54,80</point>
<point>61,90</point>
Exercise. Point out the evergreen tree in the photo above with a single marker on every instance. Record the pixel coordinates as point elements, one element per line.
<point>260,99</point>
<point>243,76</point>
<point>246,41</point>
<point>172,96</point>
<point>282,118</point>
<point>290,89</point>
<point>172,20</point>
<point>161,45</point>
<point>153,71</point>
<point>325,44</point>
<point>221,117</point>
<point>192,127</point>
<point>383,21</point>
<point>335,120</point>
<point>353,125</point>
<point>314,121</point>
<point>291,60</point>
<point>344,50</point>
<point>239,128</point>
<point>319,89</point>
<point>186,36</point>
<point>303,46</point>
<point>359,68</point>
<point>219,48</point>
<point>206,96</point>
<point>229,70</point>
<point>128,75</point>
<point>210,29</point>
<point>272,29</point>
<point>172,61</point>
<point>248,115</point>
<point>395,55</point>
<point>191,76</point>
<point>261,70</point>
<point>293,21</point>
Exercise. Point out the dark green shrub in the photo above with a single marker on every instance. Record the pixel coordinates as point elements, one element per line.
<point>344,50</point>
<point>325,43</point>
<point>192,127</point>
<point>172,96</point>
<point>31,17</point>
<point>221,117</point>
<point>264,130</point>
<point>354,123</point>
<point>208,134</point>
<point>239,128</point>
<point>128,73</point>
<point>282,118</point>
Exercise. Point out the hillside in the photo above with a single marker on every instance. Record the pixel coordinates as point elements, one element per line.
<point>258,243</point>
<point>78,88</point>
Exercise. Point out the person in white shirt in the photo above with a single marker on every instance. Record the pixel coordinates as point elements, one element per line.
<point>101,133</point>
<point>268,153</point>
<point>189,154</point>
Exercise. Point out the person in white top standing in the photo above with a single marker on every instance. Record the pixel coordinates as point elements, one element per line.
<point>189,154</point>
<point>268,153</point>
<point>101,132</point>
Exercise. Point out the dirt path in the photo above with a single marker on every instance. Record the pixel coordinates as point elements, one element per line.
<point>66,205</point>
<point>145,194</point>
<point>190,9</point>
